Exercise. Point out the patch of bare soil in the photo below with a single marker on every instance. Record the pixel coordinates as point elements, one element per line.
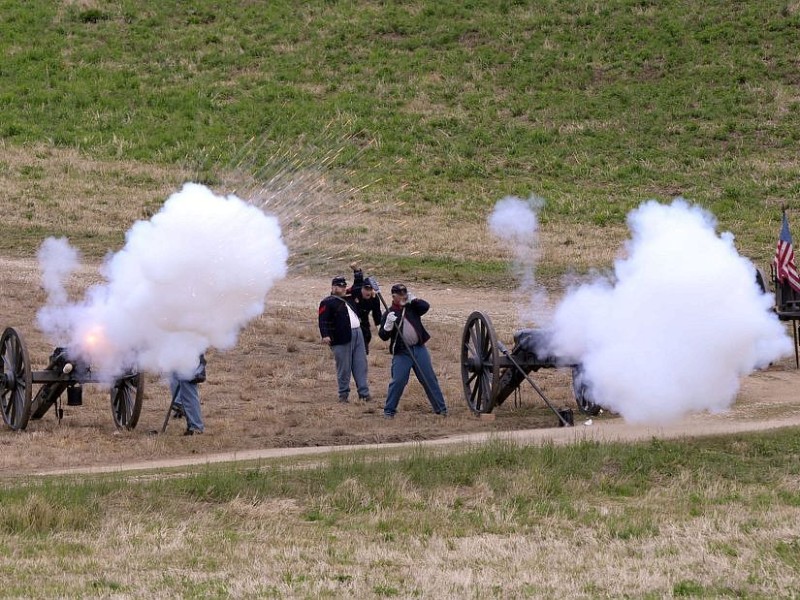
<point>275,393</point>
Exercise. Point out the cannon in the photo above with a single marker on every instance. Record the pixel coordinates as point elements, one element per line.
<point>490,373</point>
<point>63,373</point>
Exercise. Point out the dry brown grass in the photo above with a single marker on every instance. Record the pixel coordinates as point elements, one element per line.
<point>61,190</point>
<point>273,551</point>
<point>94,202</point>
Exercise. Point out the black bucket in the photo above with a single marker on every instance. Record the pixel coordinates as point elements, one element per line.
<point>565,418</point>
<point>74,395</point>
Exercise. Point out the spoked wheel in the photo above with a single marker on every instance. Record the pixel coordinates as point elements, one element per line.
<point>126,401</point>
<point>15,380</point>
<point>480,368</point>
<point>583,396</point>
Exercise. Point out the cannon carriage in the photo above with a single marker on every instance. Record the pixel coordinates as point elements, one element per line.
<point>491,373</point>
<point>63,373</point>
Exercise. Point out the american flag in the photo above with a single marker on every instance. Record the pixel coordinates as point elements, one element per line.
<point>785,268</point>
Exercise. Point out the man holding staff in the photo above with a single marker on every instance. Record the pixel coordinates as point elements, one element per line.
<point>401,324</point>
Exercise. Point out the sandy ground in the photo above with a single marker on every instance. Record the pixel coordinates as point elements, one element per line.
<point>274,394</point>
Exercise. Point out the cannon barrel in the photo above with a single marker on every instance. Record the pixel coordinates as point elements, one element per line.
<point>530,352</point>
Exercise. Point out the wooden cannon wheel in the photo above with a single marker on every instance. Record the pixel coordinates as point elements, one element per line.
<point>480,363</point>
<point>15,380</point>
<point>126,400</point>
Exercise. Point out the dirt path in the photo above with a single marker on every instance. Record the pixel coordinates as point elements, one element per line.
<point>584,431</point>
<point>273,395</point>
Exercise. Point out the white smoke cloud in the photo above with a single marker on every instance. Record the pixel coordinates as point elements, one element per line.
<point>58,261</point>
<point>516,222</point>
<point>186,280</point>
<point>679,326</point>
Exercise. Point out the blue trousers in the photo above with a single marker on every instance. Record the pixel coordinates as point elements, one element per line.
<point>186,396</point>
<point>351,358</point>
<point>402,364</point>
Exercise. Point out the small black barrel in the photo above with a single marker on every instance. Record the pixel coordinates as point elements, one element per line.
<point>74,395</point>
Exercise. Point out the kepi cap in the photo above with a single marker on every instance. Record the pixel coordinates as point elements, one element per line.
<point>399,288</point>
<point>339,281</point>
<point>367,284</point>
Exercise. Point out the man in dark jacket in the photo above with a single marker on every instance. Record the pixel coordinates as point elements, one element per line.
<point>366,302</point>
<point>340,328</point>
<point>402,326</point>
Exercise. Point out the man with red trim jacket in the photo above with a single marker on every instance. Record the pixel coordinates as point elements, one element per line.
<point>402,326</point>
<point>340,328</point>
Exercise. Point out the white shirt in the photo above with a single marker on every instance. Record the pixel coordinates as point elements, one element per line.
<point>354,322</point>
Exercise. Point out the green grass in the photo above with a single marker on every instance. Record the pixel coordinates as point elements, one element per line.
<point>529,482</point>
<point>631,498</point>
<point>595,107</point>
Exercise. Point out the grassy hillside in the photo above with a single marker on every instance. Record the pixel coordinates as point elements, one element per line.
<point>431,106</point>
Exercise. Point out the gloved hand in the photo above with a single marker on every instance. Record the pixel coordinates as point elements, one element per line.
<point>390,320</point>
<point>355,266</point>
